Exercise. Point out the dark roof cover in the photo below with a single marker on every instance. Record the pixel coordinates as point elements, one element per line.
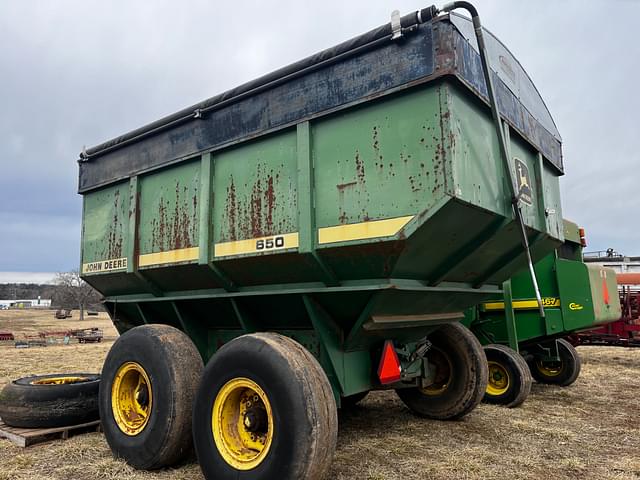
<point>511,73</point>
<point>365,67</point>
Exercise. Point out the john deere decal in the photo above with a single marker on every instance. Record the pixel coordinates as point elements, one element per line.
<point>524,181</point>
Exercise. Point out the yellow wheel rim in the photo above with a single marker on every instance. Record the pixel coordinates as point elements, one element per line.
<point>59,380</point>
<point>242,423</point>
<point>443,374</point>
<point>499,380</point>
<point>131,398</point>
<point>550,369</point>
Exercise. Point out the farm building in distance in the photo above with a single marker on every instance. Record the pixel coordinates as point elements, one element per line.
<point>29,303</point>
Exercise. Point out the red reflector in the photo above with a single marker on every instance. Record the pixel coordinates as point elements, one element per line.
<point>583,237</point>
<point>605,291</point>
<point>389,368</point>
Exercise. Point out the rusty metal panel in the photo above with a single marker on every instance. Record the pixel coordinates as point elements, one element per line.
<point>387,159</point>
<point>255,190</point>
<point>391,178</point>
<point>169,208</point>
<point>104,229</point>
<point>479,175</point>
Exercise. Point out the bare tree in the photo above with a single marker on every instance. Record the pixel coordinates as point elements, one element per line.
<point>73,291</point>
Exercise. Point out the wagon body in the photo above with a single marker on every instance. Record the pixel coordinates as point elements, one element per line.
<point>577,296</point>
<point>343,212</point>
<point>353,197</point>
<point>520,343</point>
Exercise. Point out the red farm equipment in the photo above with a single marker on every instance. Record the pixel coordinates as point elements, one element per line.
<point>624,332</point>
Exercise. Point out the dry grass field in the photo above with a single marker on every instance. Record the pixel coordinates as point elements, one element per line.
<point>589,430</point>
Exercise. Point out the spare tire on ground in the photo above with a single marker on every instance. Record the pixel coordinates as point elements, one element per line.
<point>46,401</point>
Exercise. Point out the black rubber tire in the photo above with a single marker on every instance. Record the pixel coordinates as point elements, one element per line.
<point>305,421</point>
<point>25,405</point>
<point>352,400</point>
<point>570,364</point>
<point>467,379</point>
<point>519,377</point>
<point>174,367</point>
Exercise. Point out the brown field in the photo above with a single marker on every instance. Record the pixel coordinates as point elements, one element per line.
<point>589,430</point>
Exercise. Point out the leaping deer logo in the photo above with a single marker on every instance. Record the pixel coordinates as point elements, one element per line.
<point>524,182</point>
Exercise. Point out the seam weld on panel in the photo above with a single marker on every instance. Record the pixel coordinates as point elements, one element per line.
<point>523,304</point>
<point>170,256</point>
<point>257,245</point>
<point>362,230</point>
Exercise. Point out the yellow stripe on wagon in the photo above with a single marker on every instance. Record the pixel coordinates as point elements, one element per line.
<point>523,304</point>
<point>362,230</point>
<point>170,256</point>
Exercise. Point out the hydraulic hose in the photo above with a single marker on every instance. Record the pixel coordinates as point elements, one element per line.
<point>497,121</point>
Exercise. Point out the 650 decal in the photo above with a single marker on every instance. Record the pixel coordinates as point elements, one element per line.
<point>269,243</point>
<point>257,245</point>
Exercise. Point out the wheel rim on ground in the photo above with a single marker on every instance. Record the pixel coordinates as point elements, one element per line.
<point>131,398</point>
<point>61,380</point>
<point>549,369</point>
<point>499,380</point>
<point>442,379</point>
<point>242,423</point>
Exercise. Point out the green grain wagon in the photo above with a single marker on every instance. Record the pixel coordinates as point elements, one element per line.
<point>313,235</point>
<point>576,295</point>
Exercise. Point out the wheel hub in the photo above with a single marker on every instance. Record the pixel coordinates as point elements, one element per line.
<point>255,420</point>
<point>242,423</point>
<point>131,398</point>
<point>499,381</point>
<point>549,369</point>
<point>443,368</point>
<point>142,395</point>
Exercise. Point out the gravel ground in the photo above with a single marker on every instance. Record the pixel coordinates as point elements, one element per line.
<point>589,430</point>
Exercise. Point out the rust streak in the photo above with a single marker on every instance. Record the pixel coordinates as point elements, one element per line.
<point>360,173</point>
<point>270,200</point>
<point>176,233</point>
<point>342,186</point>
<point>114,235</point>
<point>256,209</point>
<point>441,146</point>
<point>232,210</point>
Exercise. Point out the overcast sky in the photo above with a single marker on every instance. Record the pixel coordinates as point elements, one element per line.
<point>76,73</point>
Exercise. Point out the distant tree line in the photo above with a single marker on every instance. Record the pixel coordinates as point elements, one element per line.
<point>68,291</point>
<point>11,291</point>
